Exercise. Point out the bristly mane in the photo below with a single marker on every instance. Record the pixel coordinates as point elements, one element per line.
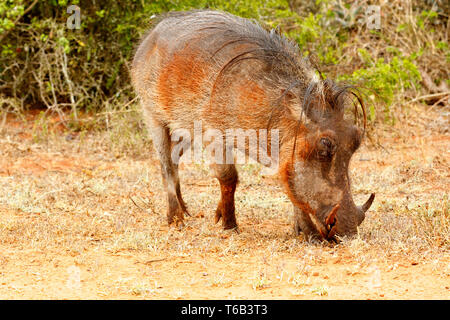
<point>289,70</point>
<point>286,68</point>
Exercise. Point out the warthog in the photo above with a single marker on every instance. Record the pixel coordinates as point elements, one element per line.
<point>229,72</point>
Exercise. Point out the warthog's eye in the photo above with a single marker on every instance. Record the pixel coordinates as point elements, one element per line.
<point>326,149</point>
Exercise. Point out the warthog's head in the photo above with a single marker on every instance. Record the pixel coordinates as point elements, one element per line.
<point>316,175</point>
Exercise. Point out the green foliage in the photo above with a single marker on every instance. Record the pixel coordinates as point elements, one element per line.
<point>87,66</point>
<point>43,63</point>
<point>307,30</point>
<point>324,32</point>
<point>426,15</point>
<point>386,78</point>
<point>10,11</point>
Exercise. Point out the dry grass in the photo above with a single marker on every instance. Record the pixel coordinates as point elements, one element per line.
<point>76,221</point>
<point>82,209</point>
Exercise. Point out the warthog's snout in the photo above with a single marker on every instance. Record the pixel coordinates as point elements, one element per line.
<point>329,228</point>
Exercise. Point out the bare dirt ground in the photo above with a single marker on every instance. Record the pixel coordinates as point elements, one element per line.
<point>77,222</point>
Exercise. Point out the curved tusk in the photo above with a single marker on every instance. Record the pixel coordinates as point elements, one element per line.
<point>368,203</point>
<point>331,218</point>
<point>332,233</point>
<point>319,226</point>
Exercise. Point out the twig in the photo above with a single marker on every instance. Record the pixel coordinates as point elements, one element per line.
<point>121,111</point>
<point>69,84</point>
<point>439,101</point>
<point>18,18</point>
<point>154,260</point>
<point>427,96</point>
<point>136,203</point>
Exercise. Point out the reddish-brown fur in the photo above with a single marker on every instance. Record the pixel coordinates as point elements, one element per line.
<point>230,73</point>
<point>180,77</point>
<point>225,209</point>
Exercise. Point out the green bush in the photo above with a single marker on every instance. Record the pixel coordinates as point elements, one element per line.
<point>50,65</point>
<point>385,78</point>
<point>44,64</point>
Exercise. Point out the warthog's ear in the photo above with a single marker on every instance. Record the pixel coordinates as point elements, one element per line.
<point>314,105</point>
<point>286,100</point>
<point>293,103</point>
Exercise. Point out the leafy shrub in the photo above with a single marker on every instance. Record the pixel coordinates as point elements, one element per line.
<point>9,12</point>
<point>50,65</point>
<point>386,78</point>
<point>44,64</point>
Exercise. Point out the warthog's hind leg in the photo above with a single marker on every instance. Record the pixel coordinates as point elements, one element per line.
<point>169,170</point>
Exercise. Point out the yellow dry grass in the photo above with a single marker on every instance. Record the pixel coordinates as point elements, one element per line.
<point>78,222</point>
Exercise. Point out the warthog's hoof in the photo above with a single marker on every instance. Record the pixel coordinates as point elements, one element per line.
<point>177,217</point>
<point>228,218</point>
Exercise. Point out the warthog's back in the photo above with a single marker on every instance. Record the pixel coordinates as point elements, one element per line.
<point>215,67</point>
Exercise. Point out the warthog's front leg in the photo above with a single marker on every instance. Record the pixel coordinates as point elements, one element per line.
<point>228,179</point>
